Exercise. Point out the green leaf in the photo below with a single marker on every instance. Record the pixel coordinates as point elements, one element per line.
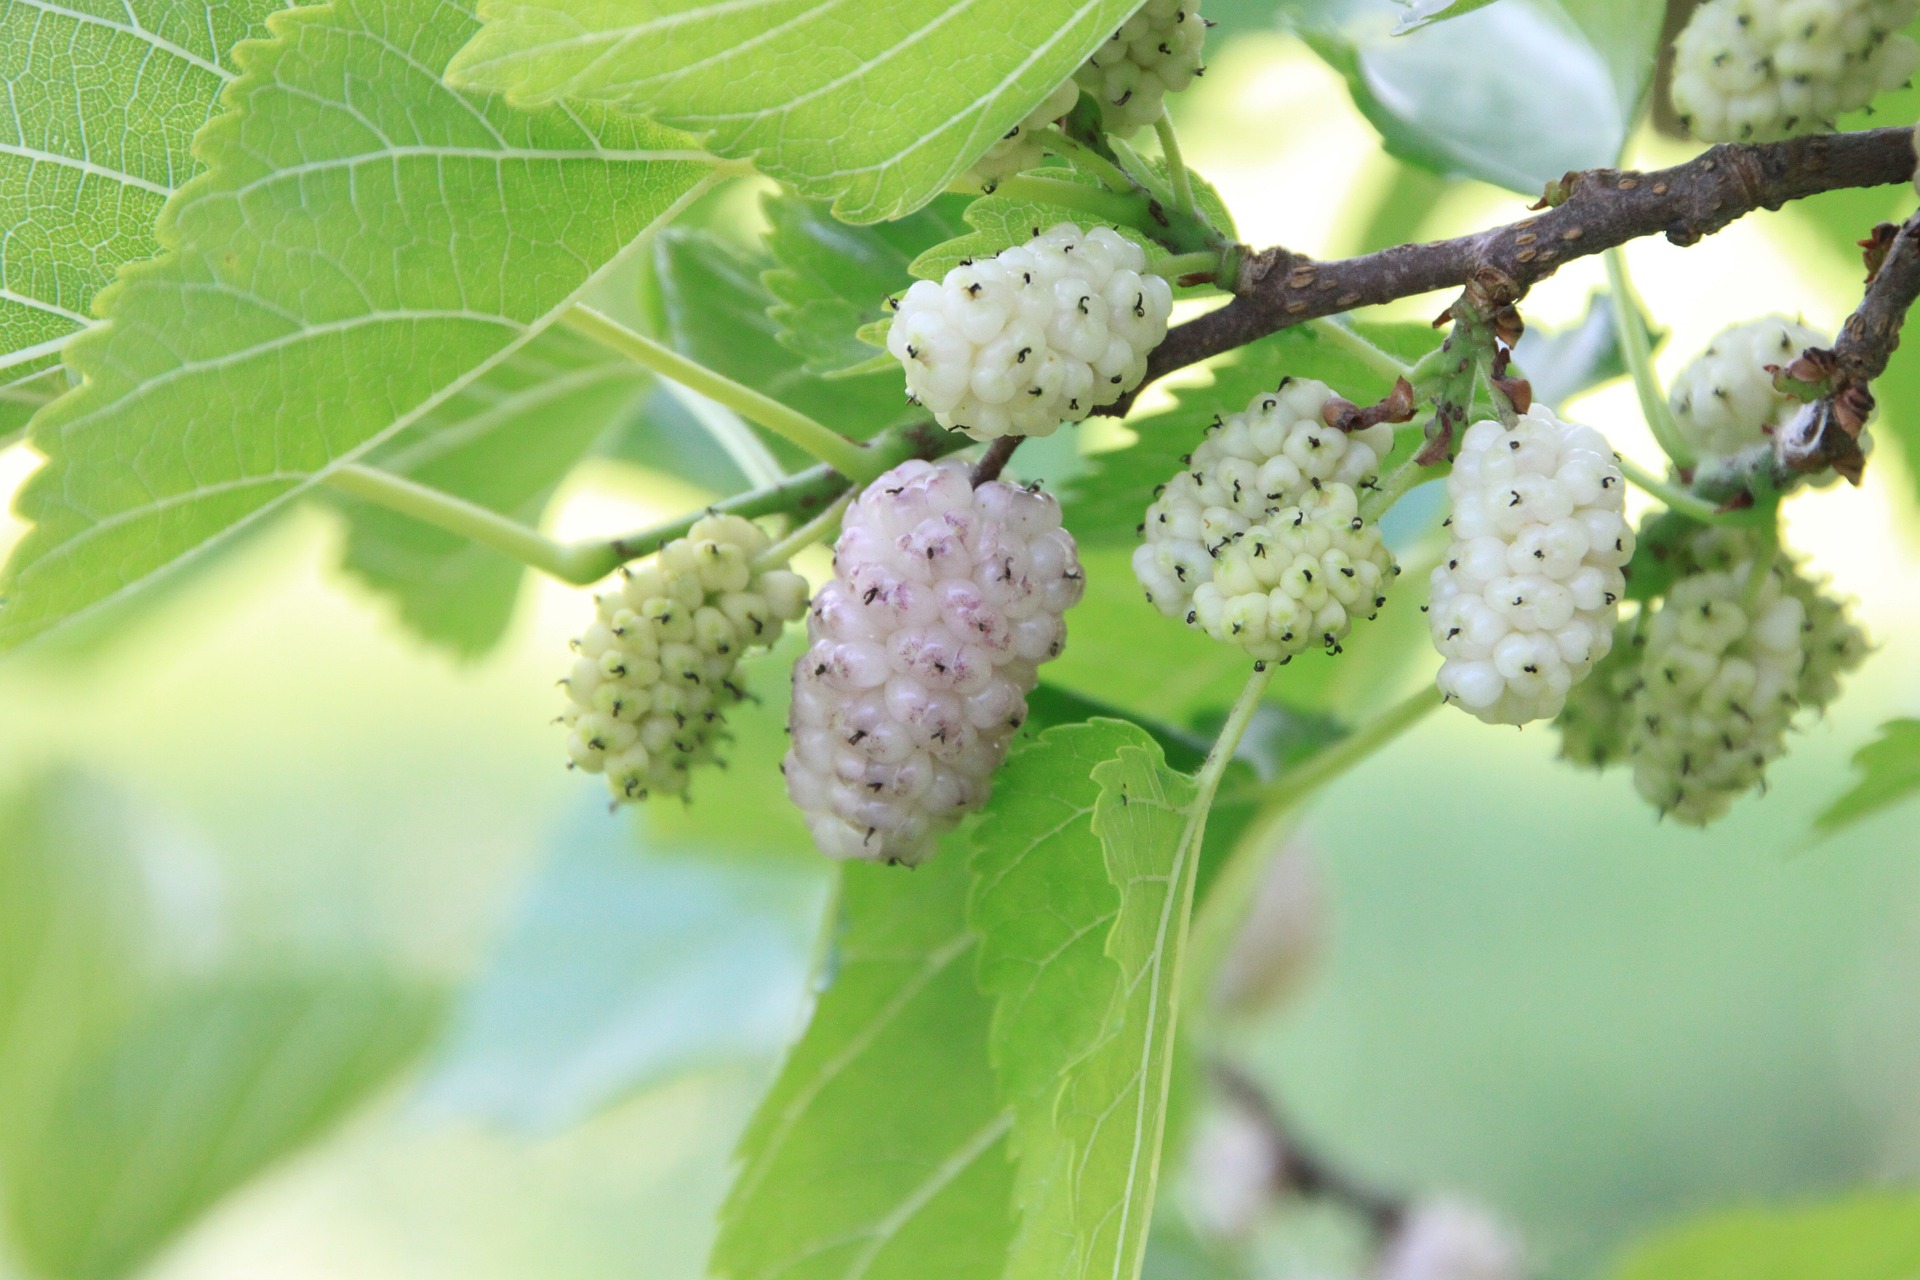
<point>623,968</point>
<point>1445,97</point>
<point>1083,1039</point>
<point>365,244</point>
<point>504,442</point>
<point>1418,13</point>
<point>880,1152</point>
<point>74,932</point>
<point>1042,905</point>
<point>832,278</point>
<point>1889,769</point>
<point>878,104</point>
<point>1105,506</point>
<point>717,313</point>
<point>1875,1236</point>
<point>211,1087</point>
<point>24,394</point>
<point>103,104</point>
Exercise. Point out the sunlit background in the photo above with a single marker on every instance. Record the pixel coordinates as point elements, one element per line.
<point>1531,992</point>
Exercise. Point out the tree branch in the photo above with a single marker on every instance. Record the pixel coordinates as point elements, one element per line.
<point>1595,211</point>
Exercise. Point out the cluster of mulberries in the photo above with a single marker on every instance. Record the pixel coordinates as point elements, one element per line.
<point>1042,333</point>
<point>945,600</point>
<point>1700,698</point>
<point>1155,52</point>
<point>1525,602</point>
<point>656,668</point>
<point>1757,70</point>
<point>1724,400</point>
<point>1259,540</point>
<point>1020,147</point>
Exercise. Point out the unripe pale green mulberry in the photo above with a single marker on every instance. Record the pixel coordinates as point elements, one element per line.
<point>657,668</point>
<point>1155,52</point>
<point>1720,683</point>
<point>1020,147</point>
<point>1724,400</point>
<point>1259,540</point>
<point>1759,70</point>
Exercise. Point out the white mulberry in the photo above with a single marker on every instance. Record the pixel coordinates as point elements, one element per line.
<point>945,600</point>
<point>1042,333</point>
<point>1724,400</point>
<point>1155,52</point>
<point>656,668</point>
<point>1759,70</point>
<point>1259,541</point>
<point>1526,599</point>
<point>1020,147</point>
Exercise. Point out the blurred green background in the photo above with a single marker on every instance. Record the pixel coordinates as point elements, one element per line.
<point>315,962</point>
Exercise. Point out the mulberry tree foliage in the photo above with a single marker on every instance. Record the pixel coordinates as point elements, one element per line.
<point>1045,654</point>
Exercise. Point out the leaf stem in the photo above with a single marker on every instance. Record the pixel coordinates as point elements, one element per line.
<point>1218,919</point>
<point>1637,345</point>
<point>1176,165</point>
<point>806,535</point>
<point>1384,363</point>
<point>1691,505</point>
<point>574,563</point>
<point>822,442</point>
<point>1085,158</point>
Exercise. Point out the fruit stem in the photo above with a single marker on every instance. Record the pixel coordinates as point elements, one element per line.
<point>1219,918</point>
<point>1391,487</point>
<point>1087,160</point>
<point>1691,505</point>
<point>1381,362</point>
<point>829,446</point>
<point>1762,568</point>
<point>1176,166</point>
<point>806,535</point>
<point>571,563</point>
<point>1637,345</point>
<point>1175,265</point>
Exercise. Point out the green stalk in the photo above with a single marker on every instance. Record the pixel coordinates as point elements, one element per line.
<point>1203,261</point>
<point>1219,918</point>
<point>1176,166</point>
<point>578,564</point>
<point>1384,363</point>
<point>1391,487</point>
<point>854,461</point>
<point>1086,159</point>
<point>1637,345</point>
<point>1691,505</point>
<point>806,535</point>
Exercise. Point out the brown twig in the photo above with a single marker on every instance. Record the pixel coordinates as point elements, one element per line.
<point>1301,1171</point>
<point>994,460</point>
<point>1595,210</point>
